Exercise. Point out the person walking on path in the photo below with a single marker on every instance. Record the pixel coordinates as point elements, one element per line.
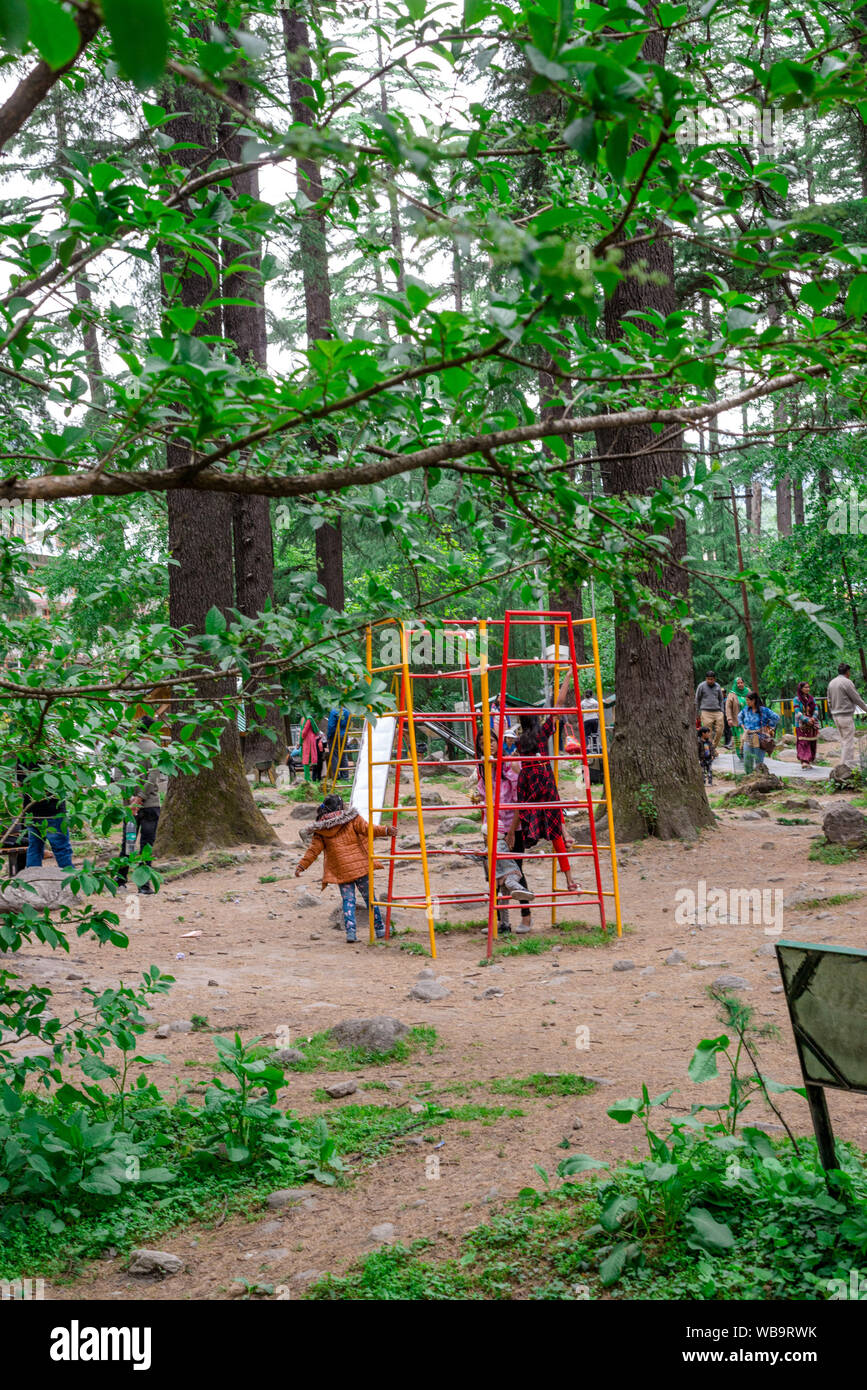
<point>510,875</point>
<point>735,701</point>
<point>145,804</point>
<point>709,708</point>
<point>341,835</point>
<point>843,700</point>
<point>806,724</point>
<point>758,723</point>
<point>44,814</point>
<point>311,750</point>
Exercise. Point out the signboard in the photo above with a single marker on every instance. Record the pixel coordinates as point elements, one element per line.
<point>826,993</point>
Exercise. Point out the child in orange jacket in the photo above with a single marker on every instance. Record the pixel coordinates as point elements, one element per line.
<point>341,835</point>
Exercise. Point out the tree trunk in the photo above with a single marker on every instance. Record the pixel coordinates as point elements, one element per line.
<point>213,808</point>
<point>253,541</point>
<point>314,265</point>
<point>653,743</point>
<point>798,499</point>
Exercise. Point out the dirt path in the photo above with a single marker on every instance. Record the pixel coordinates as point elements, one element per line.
<point>262,962</point>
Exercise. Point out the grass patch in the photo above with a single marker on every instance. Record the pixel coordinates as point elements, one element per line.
<point>792,820</point>
<point>563,934</point>
<point>824,852</point>
<point>322,1053</point>
<point>539,1084</point>
<point>835,900</point>
<point>303,791</point>
<point>548,1246</point>
<point>415,948</point>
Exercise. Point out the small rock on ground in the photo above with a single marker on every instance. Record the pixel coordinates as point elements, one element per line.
<point>383,1234</point>
<point>284,1197</point>
<point>155,1262</point>
<point>730,982</point>
<point>623,965</point>
<point>675,958</point>
<point>378,1034</point>
<point>427,990</point>
<point>341,1089</point>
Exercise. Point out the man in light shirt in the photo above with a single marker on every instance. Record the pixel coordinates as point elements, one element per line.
<point>843,700</point>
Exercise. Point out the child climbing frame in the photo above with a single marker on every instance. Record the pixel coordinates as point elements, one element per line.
<point>469,677</point>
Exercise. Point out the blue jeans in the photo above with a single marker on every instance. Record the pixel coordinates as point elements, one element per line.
<point>347,893</point>
<point>58,840</point>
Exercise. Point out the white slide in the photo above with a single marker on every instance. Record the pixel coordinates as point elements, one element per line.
<point>383,743</point>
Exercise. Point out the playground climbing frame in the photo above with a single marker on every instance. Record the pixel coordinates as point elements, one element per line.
<point>403,753</point>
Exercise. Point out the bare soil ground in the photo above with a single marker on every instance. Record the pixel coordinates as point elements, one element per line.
<point>263,962</point>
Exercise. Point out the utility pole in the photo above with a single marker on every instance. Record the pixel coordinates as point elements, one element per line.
<point>751,650</point>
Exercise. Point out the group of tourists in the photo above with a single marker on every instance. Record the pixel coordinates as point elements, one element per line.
<point>738,716</point>
<point>743,718</point>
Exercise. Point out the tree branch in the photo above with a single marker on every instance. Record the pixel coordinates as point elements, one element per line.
<point>39,81</point>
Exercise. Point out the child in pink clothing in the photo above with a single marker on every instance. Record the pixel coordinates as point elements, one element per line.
<point>510,875</point>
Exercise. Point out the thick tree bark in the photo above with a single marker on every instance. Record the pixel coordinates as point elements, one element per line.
<point>653,742</point>
<point>213,808</point>
<point>314,267</point>
<point>253,540</point>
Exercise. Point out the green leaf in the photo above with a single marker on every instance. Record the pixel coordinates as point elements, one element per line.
<point>154,115</point>
<point>617,150</point>
<point>53,32</point>
<point>14,23</point>
<point>856,299</point>
<point>140,37</point>
<point>581,136</point>
<point>703,1065</point>
<point>625,1110</point>
<point>611,1268</point>
<point>103,175</point>
<point>102,1184</point>
<point>11,1100</point>
<point>215,623</point>
<point>546,66</point>
<point>709,1234</point>
<point>578,1163</point>
<point>475,10</point>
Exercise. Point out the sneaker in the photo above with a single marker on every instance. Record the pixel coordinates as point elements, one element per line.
<point>515,888</point>
<point>352,940</point>
<point>523,929</point>
<point>146,890</point>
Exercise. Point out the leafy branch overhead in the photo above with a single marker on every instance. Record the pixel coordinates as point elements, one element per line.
<point>450,389</point>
